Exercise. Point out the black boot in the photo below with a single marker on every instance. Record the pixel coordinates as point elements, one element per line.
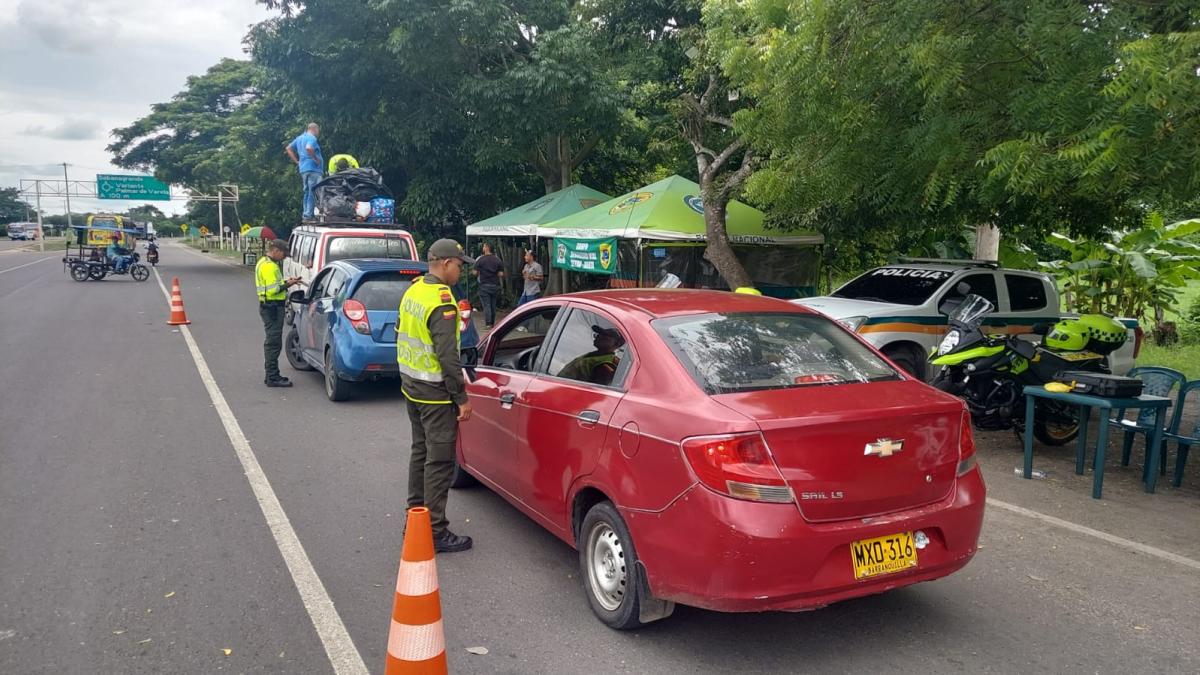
<point>448,542</point>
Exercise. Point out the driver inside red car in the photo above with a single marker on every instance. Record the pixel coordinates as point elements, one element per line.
<point>599,366</point>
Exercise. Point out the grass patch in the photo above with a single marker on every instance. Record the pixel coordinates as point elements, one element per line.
<point>1184,358</point>
<point>213,250</point>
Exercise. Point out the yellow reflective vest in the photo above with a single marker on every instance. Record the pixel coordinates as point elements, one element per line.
<point>415,352</point>
<point>268,279</point>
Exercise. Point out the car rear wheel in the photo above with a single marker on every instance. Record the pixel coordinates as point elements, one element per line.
<point>336,389</point>
<point>608,567</point>
<point>291,347</point>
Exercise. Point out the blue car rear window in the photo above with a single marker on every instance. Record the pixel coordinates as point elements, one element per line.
<point>383,290</point>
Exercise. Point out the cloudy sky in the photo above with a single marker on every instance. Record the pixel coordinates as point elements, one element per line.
<point>73,70</point>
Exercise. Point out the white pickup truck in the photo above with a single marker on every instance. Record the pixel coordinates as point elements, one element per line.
<point>895,307</point>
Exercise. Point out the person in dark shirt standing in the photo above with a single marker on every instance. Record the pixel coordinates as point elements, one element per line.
<point>490,270</point>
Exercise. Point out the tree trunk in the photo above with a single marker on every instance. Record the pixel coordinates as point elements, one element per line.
<point>718,251</point>
<point>564,162</point>
<point>987,242</point>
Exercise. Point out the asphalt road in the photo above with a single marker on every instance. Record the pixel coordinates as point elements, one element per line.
<point>131,541</point>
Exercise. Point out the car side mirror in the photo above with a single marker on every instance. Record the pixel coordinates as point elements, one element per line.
<point>297,297</point>
<point>470,359</point>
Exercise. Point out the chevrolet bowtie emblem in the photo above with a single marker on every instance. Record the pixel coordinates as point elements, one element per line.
<point>884,447</point>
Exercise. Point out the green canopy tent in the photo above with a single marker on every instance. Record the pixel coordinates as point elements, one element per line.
<point>656,234</point>
<point>512,232</point>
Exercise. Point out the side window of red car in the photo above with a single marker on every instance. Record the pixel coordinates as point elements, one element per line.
<point>519,346</point>
<point>590,349</point>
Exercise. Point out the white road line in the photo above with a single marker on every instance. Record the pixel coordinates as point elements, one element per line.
<point>343,656</point>
<point>1104,536</point>
<point>13,269</point>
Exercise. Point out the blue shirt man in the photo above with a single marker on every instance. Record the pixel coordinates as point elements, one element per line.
<point>117,254</point>
<point>305,152</point>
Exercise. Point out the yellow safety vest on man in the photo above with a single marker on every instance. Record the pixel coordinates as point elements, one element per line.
<point>414,343</point>
<point>268,279</point>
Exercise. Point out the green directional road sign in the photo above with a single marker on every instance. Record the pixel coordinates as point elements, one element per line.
<point>113,186</point>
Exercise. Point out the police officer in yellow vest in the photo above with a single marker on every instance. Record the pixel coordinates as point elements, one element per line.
<point>431,377</point>
<point>272,293</point>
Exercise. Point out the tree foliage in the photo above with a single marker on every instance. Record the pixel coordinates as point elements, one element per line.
<point>12,208</point>
<point>950,114</point>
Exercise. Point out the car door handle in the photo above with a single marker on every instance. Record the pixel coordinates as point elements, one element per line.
<point>506,400</point>
<point>588,418</point>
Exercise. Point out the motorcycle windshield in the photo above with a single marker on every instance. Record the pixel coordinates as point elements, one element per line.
<point>972,309</point>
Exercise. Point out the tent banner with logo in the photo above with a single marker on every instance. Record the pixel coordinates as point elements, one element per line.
<point>593,256</point>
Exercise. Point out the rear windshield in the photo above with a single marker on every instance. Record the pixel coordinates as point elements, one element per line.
<point>343,248</point>
<point>382,291</point>
<point>728,353</point>
<point>898,285</point>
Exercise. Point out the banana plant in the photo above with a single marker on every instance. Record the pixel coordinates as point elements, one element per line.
<point>1137,273</point>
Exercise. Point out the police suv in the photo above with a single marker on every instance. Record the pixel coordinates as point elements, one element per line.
<point>895,307</point>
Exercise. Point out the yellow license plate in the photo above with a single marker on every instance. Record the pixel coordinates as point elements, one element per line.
<point>883,555</point>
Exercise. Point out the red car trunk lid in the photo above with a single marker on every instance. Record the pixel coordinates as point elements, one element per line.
<point>858,450</point>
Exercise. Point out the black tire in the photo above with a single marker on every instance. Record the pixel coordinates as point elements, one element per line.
<point>908,359</point>
<point>336,389</point>
<point>80,272</point>
<point>139,272</point>
<point>96,272</point>
<point>607,556</point>
<point>291,348</point>
<point>462,479</point>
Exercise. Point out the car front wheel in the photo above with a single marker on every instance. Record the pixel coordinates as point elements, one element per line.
<point>291,347</point>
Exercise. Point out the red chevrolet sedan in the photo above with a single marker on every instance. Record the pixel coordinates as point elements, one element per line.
<point>731,452</point>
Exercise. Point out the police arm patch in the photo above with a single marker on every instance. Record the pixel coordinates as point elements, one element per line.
<point>450,314</point>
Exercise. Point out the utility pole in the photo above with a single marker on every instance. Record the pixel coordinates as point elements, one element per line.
<point>67,192</point>
<point>220,219</point>
<point>41,234</point>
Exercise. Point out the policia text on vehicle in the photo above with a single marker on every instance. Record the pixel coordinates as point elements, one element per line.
<point>431,375</point>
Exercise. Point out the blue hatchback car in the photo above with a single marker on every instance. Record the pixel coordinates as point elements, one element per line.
<point>345,322</point>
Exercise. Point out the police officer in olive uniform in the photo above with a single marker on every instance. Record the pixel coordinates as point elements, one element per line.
<point>272,294</point>
<point>431,377</point>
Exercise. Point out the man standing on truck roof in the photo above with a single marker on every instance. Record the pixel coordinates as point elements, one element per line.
<point>428,341</point>
<point>305,153</point>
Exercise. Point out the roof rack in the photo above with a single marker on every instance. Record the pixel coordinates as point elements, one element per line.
<point>950,261</point>
<point>347,222</point>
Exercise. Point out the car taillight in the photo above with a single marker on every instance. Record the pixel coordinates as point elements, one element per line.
<point>966,446</point>
<point>1138,336</point>
<point>737,465</point>
<point>357,314</point>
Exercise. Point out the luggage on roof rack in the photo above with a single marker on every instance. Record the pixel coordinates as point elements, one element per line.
<point>338,194</point>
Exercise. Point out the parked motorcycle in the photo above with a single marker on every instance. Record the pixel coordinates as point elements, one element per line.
<point>989,371</point>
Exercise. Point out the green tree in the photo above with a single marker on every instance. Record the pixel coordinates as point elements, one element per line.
<point>12,208</point>
<point>222,128</point>
<point>922,115</point>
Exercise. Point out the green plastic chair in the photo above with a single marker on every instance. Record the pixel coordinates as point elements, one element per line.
<point>1158,381</point>
<point>1183,442</point>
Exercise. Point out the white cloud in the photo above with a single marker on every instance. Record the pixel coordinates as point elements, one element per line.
<point>73,70</point>
<point>69,130</point>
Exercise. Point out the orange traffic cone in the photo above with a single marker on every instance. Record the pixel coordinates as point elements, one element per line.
<point>416,643</point>
<point>178,316</point>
